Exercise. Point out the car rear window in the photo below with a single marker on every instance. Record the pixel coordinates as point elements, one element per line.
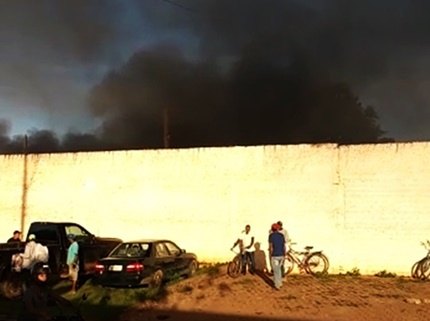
<point>131,250</point>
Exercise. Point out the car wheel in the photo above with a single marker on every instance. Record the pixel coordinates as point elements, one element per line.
<point>157,279</point>
<point>192,268</point>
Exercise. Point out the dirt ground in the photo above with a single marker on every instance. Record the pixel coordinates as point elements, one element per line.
<point>251,298</point>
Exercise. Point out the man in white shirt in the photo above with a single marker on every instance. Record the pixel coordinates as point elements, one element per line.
<point>246,242</point>
<point>285,233</point>
<point>287,242</point>
<point>28,256</point>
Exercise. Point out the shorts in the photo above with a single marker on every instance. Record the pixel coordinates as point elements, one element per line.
<point>73,271</point>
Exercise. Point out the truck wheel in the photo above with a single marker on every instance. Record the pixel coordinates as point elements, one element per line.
<point>12,289</point>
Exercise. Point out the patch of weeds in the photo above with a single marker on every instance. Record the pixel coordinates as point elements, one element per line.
<point>385,274</point>
<point>354,272</point>
<point>173,278</point>
<point>150,294</point>
<point>322,275</point>
<point>210,269</point>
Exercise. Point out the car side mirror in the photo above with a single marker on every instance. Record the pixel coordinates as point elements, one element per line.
<point>183,251</point>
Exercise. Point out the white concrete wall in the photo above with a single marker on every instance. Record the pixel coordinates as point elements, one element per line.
<point>386,204</point>
<point>366,206</point>
<point>11,190</point>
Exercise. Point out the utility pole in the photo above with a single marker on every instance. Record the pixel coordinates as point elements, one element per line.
<point>166,133</point>
<point>24,184</point>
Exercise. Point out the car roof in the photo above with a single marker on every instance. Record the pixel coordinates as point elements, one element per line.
<point>148,241</point>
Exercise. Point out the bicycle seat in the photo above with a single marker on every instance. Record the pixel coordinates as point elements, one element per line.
<point>308,248</point>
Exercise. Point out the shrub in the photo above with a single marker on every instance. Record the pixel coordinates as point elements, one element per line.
<point>385,274</point>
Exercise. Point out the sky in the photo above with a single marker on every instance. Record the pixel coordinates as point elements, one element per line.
<point>56,55</point>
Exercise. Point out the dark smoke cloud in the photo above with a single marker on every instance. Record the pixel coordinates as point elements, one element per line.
<point>78,30</point>
<point>46,48</point>
<point>367,44</point>
<point>256,102</point>
<point>260,67</point>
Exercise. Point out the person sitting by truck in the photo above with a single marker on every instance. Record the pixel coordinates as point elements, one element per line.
<point>16,238</point>
<point>34,253</point>
<point>28,256</point>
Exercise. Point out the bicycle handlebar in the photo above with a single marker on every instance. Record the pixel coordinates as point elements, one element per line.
<point>235,252</point>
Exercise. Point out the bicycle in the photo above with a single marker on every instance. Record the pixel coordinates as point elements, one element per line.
<point>314,262</point>
<point>234,267</point>
<point>421,268</point>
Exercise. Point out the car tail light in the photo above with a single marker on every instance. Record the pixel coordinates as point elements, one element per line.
<point>134,267</point>
<point>100,268</point>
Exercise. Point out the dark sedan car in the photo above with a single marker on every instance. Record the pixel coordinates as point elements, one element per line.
<point>144,262</point>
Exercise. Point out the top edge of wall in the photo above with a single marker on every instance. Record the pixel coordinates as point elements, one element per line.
<point>268,146</point>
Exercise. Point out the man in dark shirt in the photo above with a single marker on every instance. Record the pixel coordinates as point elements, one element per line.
<point>277,254</point>
<point>16,237</point>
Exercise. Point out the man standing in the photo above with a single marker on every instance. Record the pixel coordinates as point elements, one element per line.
<point>277,254</point>
<point>73,261</point>
<point>15,238</point>
<point>246,242</point>
<point>248,251</point>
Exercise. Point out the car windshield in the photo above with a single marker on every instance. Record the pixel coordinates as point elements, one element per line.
<point>131,250</point>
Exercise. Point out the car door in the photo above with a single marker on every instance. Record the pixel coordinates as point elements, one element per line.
<point>164,260</point>
<point>181,263</point>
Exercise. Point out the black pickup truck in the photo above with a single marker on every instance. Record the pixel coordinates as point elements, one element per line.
<point>54,236</point>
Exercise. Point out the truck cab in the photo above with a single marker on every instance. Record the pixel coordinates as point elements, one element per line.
<point>54,236</point>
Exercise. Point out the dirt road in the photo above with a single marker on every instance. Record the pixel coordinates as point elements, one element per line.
<point>326,298</point>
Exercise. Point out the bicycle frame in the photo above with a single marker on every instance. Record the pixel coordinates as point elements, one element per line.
<point>299,257</point>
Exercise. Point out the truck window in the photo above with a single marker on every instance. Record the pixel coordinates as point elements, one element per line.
<point>47,233</point>
<point>80,233</point>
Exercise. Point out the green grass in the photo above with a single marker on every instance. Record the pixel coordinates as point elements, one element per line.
<point>100,304</point>
<point>106,303</point>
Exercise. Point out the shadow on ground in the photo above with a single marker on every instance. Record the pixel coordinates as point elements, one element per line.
<point>172,315</point>
<point>265,278</point>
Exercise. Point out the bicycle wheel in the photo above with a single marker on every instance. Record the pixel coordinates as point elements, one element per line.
<point>316,263</point>
<point>288,264</point>
<point>234,267</point>
<point>424,268</point>
<point>416,270</point>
